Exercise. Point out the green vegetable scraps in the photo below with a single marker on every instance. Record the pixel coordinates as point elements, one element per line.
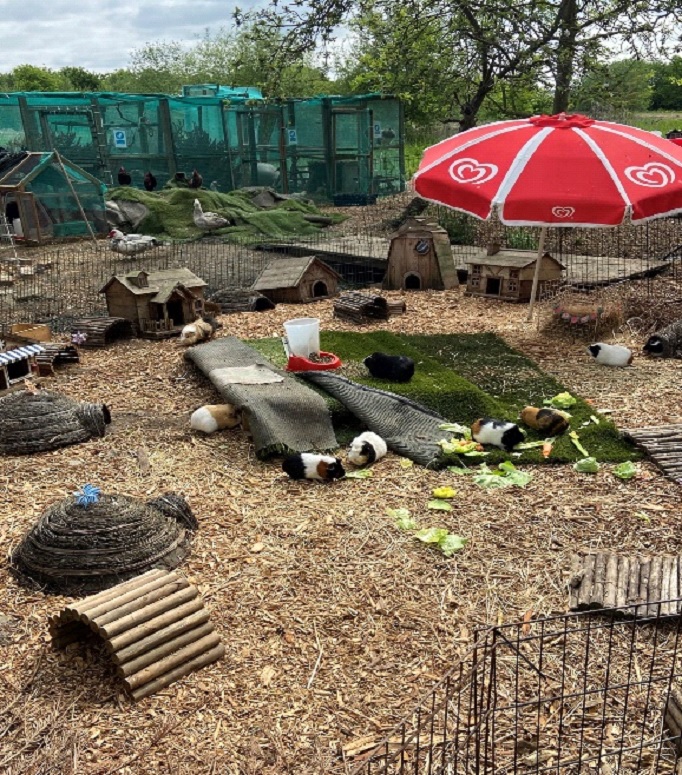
<point>402,519</point>
<point>448,543</point>
<point>587,465</point>
<point>405,462</point>
<point>444,492</point>
<point>506,475</point>
<point>439,505</point>
<point>363,473</point>
<point>561,401</point>
<point>625,470</point>
<point>576,443</point>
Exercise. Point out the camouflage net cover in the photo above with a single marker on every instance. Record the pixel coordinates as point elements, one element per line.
<point>75,549</point>
<point>37,422</point>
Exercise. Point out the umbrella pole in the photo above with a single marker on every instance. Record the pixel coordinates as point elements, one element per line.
<point>536,276</point>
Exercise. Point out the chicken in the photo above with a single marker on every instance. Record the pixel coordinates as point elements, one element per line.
<point>124,177</point>
<point>196,181</point>
<point>130,244</point>
<point>208,221</point>
<point>149,181</point>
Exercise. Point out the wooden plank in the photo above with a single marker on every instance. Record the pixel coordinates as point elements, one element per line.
<point>610,581</point>
<point>622,582</point>
<point>585,591</point>
<point>597,594</point>
<point>654,586</point>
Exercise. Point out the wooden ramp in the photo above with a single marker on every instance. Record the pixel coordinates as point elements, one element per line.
<point>99,332</point>
<point>154,627</point>
<point>640,586</point>
<point>663,444</point>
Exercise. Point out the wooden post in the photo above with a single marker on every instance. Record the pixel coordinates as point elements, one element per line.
<point>622,582</point>
<point>536,275</point>
<point>643,596</point>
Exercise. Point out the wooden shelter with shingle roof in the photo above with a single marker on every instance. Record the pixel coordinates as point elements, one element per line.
<point>508,274</point>
<point>297,280</point>
<point>157,303</point>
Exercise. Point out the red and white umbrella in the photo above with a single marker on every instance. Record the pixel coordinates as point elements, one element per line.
<point>563,170</point>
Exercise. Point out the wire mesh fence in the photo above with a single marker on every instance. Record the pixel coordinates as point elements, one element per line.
<point>575,693</point>
<point>57,283</point>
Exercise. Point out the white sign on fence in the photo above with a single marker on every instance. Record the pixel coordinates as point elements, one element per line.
<point>120,139</point>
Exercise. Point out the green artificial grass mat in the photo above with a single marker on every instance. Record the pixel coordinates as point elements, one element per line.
<point>464,377</point>
<point>170,214</point>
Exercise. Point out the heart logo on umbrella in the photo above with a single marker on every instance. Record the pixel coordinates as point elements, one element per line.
<point>654,174</point>
<point>472,171</point>
<point>563,212</point>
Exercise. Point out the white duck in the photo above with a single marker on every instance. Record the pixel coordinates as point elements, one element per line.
<point>130,244</point>
<point>208,221</point>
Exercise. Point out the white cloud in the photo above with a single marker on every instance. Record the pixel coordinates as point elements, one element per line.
<point>99,35</point>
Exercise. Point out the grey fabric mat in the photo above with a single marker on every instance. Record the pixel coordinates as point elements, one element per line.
<point>283,417</point>
<point>408,428</point>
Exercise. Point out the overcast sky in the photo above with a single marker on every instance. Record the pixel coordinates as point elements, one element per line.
<point>99,35</point>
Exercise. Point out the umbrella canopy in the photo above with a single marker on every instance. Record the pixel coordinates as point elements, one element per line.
<point>563,170</point>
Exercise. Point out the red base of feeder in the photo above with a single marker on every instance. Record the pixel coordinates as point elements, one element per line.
<point>299,363</point>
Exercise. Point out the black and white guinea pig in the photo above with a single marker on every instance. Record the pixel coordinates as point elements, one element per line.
<point>549,421</point>
<point>106,412</point>
<point>394,368</point>
<point>366,449</point>
<point>498,433</point>
<point>610,354</point>
<point>655,346</point>
<point>215,417</point>
<point>307,465</point>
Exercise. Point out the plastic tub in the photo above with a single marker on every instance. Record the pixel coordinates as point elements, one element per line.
<point>303,336</point>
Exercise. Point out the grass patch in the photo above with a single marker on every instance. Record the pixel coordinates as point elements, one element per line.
<point>464,377</point>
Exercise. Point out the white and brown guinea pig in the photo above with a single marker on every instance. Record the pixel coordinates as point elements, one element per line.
<point>549,421</point>
<point>215,417</point>
<point>366,449</point>
<point>497,433</point>
<point>610,354</point>
<point>199,331</point>
<point>307,465</point>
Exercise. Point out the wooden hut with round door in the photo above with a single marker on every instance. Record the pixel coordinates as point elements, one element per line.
<point>420,257</point>
<point>297,280</point>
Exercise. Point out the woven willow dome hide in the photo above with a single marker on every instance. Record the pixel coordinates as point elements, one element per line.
<point>75,549</point>
<point>37,422</point>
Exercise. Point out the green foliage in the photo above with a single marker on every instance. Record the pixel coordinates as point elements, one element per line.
<point>626,470</point>
<point>615,87</point>
<point>667,85</point>
<point>588,465</point>
<point>32,78</point>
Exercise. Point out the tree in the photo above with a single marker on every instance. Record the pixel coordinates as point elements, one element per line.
<point>80,79</point>
<point>667,85</point>
<point>614,89</point>
<point>32,78</point>
<point>479,43</point>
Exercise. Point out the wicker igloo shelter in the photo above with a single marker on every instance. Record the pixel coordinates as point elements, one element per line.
<point>37,422</point>
<point>76,548</point>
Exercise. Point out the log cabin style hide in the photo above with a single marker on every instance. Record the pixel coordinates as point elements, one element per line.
<point>508,274</point>
<point>297,280</point>
<point>156,303</point>
<point>420,257</point>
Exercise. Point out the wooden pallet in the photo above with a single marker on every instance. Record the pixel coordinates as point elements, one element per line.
<point>100,332</point>
<point>640,586</point>
<point>154,627</point>
<point>663,445</point>
<point>360,307</point>
<point>54,354</point>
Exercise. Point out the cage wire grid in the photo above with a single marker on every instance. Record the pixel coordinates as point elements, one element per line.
<point>61,282</point>
<point>570,694</point>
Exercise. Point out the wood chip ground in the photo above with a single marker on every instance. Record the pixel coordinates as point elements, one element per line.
<point>335,622</point>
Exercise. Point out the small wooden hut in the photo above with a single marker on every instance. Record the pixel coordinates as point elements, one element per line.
<point>297,280</point>
<point>420,257</point>
<point>508,274</point>
<point>16,366</point>
<point>156,303</point>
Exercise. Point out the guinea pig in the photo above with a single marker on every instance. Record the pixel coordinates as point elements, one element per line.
<point>666,342</point>
<point>366,449</point>
<point>610,354</point>
<point>395,368</point>
<point>106,412</point>
<point>307,465</point>
<point>202,329</point>
<point>655,346</point>
<point>498,433</point>
<point>549,421</point>
<point>215,417</point>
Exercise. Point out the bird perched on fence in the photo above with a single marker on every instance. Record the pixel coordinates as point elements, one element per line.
<point>149,181</point>
<point>208,221</point>
<point>196,181</point>
<point>124,177</point>
<point>130,244</point>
